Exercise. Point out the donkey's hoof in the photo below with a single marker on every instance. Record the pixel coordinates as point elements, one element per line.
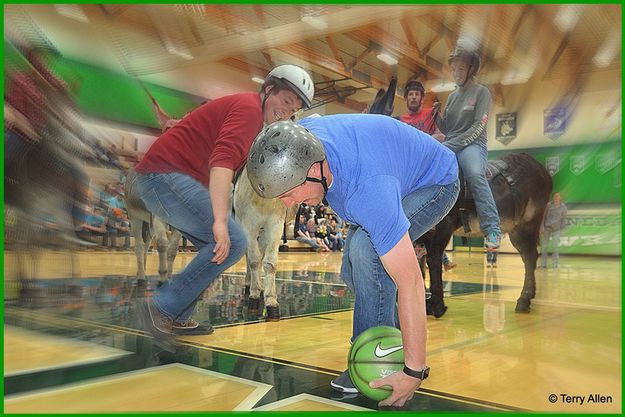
<point>273,313</point>
<point>141,288</point>
<point>435,309</point>
<point>253,305</point>
<point>522,306</point>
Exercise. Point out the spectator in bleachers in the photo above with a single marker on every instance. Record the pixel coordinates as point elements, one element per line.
<point>336,241</point>
<point>105,196</point>
<point>311,229</point>
<point>115,216</point>
<point>124,230</point>
<point>302,234</point>
<point>94,226</point>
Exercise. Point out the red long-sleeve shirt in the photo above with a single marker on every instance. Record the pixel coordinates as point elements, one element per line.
<point>216,134</point>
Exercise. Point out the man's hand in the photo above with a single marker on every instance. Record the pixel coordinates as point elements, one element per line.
<point>403,386</point>
<point>222,242</point>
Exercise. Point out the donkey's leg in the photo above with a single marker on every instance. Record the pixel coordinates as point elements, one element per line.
<point>160,232</point>
<point>435,246</point>
<point>524,237</point>
<point>172,250</point>
<point>140,245</point>
<point>254,263</point>
<point>269,245</point>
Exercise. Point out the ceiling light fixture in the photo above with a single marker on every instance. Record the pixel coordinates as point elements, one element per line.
<point>317,22</point>
<point>387,58</point>
<point>567,16</point>
<point>443,86</point>
<point>258,80</point>
<point>608,51</point>
<point>73,11</point>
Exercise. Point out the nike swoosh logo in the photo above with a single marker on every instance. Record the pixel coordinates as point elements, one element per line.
<point>380,353</point>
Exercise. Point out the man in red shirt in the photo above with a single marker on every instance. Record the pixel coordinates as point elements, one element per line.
<point>419,116</point>
<point>186,177</point>
<point>423,119</point>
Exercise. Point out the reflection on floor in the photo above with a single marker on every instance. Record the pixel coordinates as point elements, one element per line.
<point>483,356</point>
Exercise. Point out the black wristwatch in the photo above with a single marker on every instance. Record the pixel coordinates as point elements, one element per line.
<point>422,374</point>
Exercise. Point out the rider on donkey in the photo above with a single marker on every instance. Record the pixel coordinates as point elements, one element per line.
<point>464,125</point>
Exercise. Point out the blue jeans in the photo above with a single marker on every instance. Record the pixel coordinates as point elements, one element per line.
<point>472,160</point>
<point>185,204</point>
<point>308,241</point>
<point>554,236</point>
<point>362,269</point>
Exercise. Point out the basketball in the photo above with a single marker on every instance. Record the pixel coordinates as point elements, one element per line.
<point>376,353</point>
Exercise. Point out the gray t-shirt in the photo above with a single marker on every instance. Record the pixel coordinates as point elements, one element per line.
<point>555,219</point>
<point>465,117</point>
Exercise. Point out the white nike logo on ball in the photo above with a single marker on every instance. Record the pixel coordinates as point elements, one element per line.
<point>380,353</point>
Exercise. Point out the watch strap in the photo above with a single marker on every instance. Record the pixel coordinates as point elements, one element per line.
<point>422,374</point>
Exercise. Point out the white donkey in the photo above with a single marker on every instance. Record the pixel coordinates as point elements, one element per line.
<point>145,227</point>
<point>261,219</point>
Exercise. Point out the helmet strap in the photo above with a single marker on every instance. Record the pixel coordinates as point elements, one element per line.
<point>266,95</point>
<point>323,181</point>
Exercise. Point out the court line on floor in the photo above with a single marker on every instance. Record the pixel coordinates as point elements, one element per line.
<point>284,362</point>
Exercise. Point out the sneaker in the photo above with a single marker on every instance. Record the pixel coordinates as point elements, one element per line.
<point>493,240</point>
<point>343,383</point>
<point>449,266</point>
<point>157,324</point>
<point>191,327</point>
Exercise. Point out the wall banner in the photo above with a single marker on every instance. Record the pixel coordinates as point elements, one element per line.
<point>555,122</point>
<point>506,127</point>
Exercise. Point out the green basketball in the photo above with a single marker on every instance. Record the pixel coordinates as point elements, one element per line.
<point>376,353</point>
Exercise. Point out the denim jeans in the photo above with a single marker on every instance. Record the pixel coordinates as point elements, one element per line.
<point>185,204</point>
<point>362,269</point>
<point>472,160</point>
<point>554,236</point>
<point>308,241</point>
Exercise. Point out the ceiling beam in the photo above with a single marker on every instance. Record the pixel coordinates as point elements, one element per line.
<point>246,67</point>
<point>394,46</point>
<point>260,14</point>
<point>339,22</point>
<point>268,59</point>
<point>318,59</point>
<point>356,60</point>
<point>334,49</point>
<point>410,37</point>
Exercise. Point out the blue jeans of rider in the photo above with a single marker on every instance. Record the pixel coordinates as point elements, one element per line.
<point>185,204</point>
<point>362,269</point>
<point>472,160</point>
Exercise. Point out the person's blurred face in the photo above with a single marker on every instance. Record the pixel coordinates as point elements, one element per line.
<point>281,105</point>
<point>459,71</point>
<point>310,193</point>
<point>556,198</point>
<point>413,100</point>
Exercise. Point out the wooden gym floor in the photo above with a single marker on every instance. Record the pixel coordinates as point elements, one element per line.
<point>72,344</point>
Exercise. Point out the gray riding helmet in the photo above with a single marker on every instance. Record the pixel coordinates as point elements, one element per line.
<point>280,158</point>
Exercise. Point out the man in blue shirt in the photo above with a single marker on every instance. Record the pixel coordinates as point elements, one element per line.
<point>393,183</point>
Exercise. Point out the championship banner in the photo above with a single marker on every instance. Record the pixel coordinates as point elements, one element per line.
<point>555,122</point>
<point>506,127</point>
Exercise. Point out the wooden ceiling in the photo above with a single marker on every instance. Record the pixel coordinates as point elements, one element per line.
<point>338,44</point>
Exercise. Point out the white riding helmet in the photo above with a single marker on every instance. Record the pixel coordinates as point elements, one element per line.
<point>297,79</point>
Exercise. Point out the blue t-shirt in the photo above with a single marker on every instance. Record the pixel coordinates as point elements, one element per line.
<point>376,161</point>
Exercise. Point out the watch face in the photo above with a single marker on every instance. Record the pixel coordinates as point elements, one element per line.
<point>426,372</point>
